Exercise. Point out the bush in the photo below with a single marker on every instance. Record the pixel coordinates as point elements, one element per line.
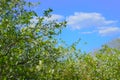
<point>30,50</point>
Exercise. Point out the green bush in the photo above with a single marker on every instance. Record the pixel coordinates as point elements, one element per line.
<point>30,50</point>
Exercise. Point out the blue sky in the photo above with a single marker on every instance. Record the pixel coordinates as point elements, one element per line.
<point>94,21</point>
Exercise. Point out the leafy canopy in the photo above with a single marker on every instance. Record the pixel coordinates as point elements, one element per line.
<point>25,43</point>
<point>29,49</point>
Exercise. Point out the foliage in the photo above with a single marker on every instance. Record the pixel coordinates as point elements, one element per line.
<point>25,43</point>
<point>29,49</point>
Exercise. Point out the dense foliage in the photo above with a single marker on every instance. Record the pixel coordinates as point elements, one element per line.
<point>29,49</point>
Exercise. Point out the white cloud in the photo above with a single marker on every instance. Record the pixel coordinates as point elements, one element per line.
<point>85,20</point>
<point>55,17</point>
<point>109,31</point>
<point>104,31</point>
<point>89,32</point>
<point>93,21</point>
<point>34,20</point>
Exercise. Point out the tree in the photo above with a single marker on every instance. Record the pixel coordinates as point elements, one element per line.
<point>27,48</point>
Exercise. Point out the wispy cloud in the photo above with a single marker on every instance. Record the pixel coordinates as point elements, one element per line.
<point>55,17</point>
<point>91,22</point>
<point>51,18</point>
<point>83,20</point>
<point>94,21</point>
<point>89,32</point>
<point>109,31</point>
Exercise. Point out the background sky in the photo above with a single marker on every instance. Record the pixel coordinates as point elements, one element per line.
<point>94,21</point>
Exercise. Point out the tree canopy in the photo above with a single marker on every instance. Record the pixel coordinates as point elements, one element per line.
<point>25,43</point>
<point>29,49</point>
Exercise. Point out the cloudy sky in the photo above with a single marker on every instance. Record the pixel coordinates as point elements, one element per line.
<point>94,21</point>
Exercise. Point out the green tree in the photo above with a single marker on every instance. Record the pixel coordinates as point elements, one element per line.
<point>28,49</point>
